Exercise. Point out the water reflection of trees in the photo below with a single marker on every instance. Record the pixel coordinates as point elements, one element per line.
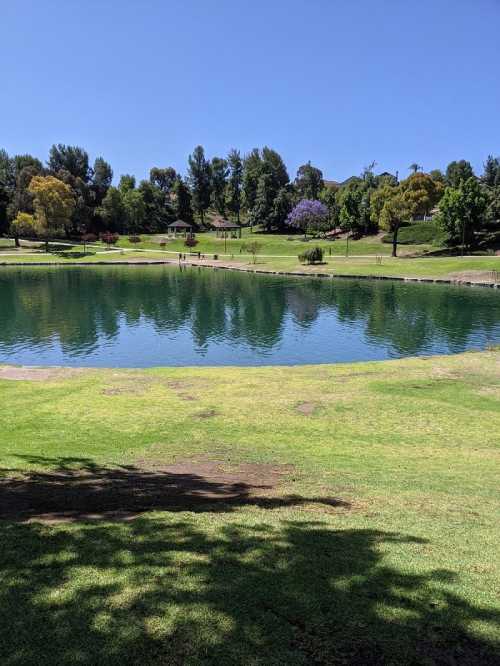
<point>80,306</point>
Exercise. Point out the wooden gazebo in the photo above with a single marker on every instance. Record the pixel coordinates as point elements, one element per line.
<point>222,227</point>
<point>179,226</point>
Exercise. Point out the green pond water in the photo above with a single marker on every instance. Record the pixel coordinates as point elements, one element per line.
<point>117,316</point>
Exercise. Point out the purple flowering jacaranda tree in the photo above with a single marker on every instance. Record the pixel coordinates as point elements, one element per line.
<point>309,215</point>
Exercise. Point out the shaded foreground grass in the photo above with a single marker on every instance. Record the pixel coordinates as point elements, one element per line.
<point>378,544</point>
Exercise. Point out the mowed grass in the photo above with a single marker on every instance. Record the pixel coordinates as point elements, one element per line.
<point>368,257</point>
<point>270,244</point>
<point>380,545</point>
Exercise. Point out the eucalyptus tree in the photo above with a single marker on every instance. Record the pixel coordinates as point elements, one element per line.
<point>309,181</point>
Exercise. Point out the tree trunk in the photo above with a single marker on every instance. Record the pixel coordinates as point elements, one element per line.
<point>395,242</point>
<point>16,241</point>
<point>46,245</point>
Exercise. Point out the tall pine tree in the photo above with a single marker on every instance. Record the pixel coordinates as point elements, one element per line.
<point>200,181</point>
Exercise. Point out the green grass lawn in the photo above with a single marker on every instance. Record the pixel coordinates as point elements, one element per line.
<point>480,268</point>
<point>272,244</point>
<point>377,545</point>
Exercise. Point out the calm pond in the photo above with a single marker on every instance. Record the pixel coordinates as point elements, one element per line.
<point>159,315</point>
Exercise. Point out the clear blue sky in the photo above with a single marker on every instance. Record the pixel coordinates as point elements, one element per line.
<point>341,83</point>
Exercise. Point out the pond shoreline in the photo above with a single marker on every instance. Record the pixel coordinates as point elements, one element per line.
<point>250,269</point>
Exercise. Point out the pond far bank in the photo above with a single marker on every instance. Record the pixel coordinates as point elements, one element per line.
<point>483,271</point>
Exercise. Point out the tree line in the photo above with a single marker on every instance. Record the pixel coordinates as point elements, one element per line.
<point>70,196</point>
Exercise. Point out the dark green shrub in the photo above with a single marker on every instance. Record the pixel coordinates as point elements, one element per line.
<point>314,255</point>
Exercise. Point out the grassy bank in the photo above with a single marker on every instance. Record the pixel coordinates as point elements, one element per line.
<point>331,514</point>
<point>475,269</point>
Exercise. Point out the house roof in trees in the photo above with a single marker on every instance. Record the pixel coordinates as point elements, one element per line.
<point>180,224</point>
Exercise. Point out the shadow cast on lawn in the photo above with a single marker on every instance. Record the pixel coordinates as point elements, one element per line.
<point>79,489</point>
<point>245,588</point>
<point>172,592</point>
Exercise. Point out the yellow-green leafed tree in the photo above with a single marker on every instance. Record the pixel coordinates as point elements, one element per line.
<point>54,203</point>
<point>22,225</point>
<point>397,209</point>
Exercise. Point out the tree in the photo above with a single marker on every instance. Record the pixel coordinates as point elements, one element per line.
<point>157,212</point>
<point>328,196</point>
<point>493,206</point>
<point>102,177</point>
<point>252,171</point>
<point>83,212</point>
<point>349,215</point>
<point>134,209</point>
<point>21,162</point>
<point>378,199</point>
<point>309,215</point>
<point>309,181</point>
<point>200,181</point>
<point>7,185</point>
<point>22,225</point>
<point>438,176</point>
<point>54,203</point>
<point>219,171</point>
<point>457,171</point>
<point>22,199</point>
<point>396,210</point>
<point>163,178</point>
<point>273,164</point>
<point>111,210</point>
<point>261,211</point>
<point>461,212</point>
<point>127,183</point>
<point>182,201</point>
<point>72,159</point>
<point>233,192</point>
<point>491,174</point>
<point>422,191</point>
<point>281,208</point>
<point>414,167</point>
<point>253,248</point>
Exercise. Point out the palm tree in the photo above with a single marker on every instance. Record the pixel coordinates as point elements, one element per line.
<point>415,167</point>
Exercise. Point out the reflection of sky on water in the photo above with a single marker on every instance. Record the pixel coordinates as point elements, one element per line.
<point>161,316</point>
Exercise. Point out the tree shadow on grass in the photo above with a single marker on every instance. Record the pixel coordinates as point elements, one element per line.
<point>166,590</point>
<point>79,489</point>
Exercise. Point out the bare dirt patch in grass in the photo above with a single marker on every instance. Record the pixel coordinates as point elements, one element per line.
<point>206,414</point>
<point>24,373</point>
<point>93,492</point>
<point>306,408</point>
<point>180,388</point>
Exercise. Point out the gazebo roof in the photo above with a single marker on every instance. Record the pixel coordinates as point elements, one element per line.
<point>180,224</point>
<point>221,223</point>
